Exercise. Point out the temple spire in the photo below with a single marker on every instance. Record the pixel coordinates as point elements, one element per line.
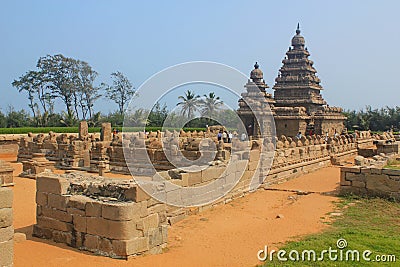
<point>298,84</point>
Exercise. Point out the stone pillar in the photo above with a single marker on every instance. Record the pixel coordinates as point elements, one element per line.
<point>102,166</point>
<point>6,227</point>
<point>106,132</point>
<point>83,130</point>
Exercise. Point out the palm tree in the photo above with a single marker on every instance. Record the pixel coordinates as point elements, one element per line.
<point>190,103</point>
<point>210,104</point>
<point>68,119</point>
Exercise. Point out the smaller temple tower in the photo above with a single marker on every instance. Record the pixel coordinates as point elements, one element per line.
<point>257,97</point>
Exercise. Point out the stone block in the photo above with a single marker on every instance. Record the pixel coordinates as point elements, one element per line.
<point>391,172</point>
<point>57,201</point>
<point>62,237</point>
<point>382,183</point>
<point>45,222</point>
<point>155,250</point>
<point>78,202</point>
<point>195,177</point>
<point>358,184</point>
<point>106,132</point>
<point>6,217</point>
<point>157,208</point>
<point>6,253</point>
<point>6,197</point>
<point>365,170</point>
<point>79,223</point>
<point>6,174</point>
<point>73,211</point>
<point>83,130</point>
<point>133,246</point>
<point>189,180</point>
<point>91,242</point>
<point>6,233</point>
<point>79,238</point>
<point>345,183</point>
<point>41,198</point>
<point>376,171</point>
<point>121,211</point>
<point>136,194</point>
<point>351,169</point>
<point>42,232</point>
<point>150,222</point>
<point>164,229</point>
<point>93,209</point>
<point>56,214</point>
<point>52,184</point>
<point>355,177</point>
<point>211,173</point>
<point>155,237</point>
<point>112,229</point>
<point>105,245</point>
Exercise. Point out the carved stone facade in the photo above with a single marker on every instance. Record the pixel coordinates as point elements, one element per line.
<point>297,105</point>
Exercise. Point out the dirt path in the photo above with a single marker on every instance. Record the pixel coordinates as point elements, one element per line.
<point>228,235</point>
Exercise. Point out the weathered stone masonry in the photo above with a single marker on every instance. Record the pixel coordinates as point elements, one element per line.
<point>117,219</point>
<point>108,217</point>
<point>6,215</point>
<point>6,228</point>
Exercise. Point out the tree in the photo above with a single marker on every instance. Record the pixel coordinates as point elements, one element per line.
<point>3,120</point>
<point>210,104</point>
<point>68,120</point>
<point>121,91</point>
<point>34,84</point>
<point>189,104</point>
<point>27,83</point>
<point>86,93</point>
<point>15,119</point>
<point>158,115</point>
<point>60,75</point>
<point>137,118</point>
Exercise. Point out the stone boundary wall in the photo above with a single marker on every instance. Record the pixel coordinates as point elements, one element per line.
<point>6,227</point>
<point>370,181</point>
<point>88,152</point>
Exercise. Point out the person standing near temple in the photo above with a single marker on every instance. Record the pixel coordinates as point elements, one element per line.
<point>225,137</point>
<point>219,135</point>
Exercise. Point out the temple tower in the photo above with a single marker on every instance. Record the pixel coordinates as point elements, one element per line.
<point>299,105</point>
<point>257,97</point>
<point>297,84</point>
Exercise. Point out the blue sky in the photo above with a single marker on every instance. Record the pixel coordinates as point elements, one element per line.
<point>354,44</point>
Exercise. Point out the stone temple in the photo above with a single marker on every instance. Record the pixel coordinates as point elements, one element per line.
<point>297,104</point>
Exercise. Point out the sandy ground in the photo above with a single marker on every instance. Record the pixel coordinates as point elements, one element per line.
<point>228,235</point>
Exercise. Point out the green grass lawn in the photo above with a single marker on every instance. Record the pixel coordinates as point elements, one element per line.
<point>393,164</point>
<point>366,224</point>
